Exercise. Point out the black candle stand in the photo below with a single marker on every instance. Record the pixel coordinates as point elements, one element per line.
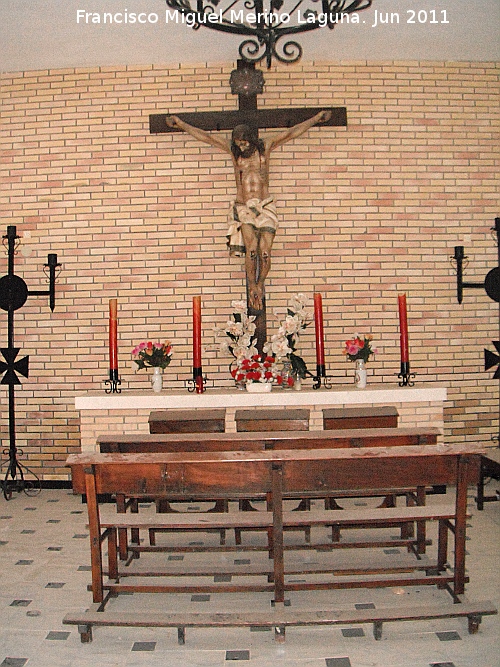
<point>114,382</point>
<point>321,378</point>
<point>405,375</point>
<point>197,382</point>
<point>13,295</point>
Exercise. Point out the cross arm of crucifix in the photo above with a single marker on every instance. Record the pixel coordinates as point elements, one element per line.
<point>258,118</point>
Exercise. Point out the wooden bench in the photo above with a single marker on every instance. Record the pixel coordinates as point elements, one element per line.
<point>373,417</point>
<point>265,441</point>
<point>257,473</point>
<point>279,620</point>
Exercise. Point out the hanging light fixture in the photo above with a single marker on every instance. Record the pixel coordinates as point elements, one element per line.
<point>267,24</point>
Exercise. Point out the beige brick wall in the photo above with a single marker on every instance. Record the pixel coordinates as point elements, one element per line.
<point>366,212</point>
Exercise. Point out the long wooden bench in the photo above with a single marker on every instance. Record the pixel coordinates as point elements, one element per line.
<point>249,474</point>
<point>278,440</point>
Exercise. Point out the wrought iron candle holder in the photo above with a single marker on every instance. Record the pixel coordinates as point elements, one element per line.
<point>114,382</point>
<point>405,375</point>
<point>13,295</point>
<point>321,379</point>
<point>198,383</point>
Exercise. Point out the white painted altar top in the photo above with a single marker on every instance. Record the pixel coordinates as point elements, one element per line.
<point>377,394</point>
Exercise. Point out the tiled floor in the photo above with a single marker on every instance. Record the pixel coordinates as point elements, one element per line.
<point>45,571</point>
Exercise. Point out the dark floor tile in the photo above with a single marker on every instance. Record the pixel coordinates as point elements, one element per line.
<point>53,500</point>
<point>365,605</point>
<point>222,578</point>
<point>338,662</point>
<point>76,512</point>
<point>442,664</point>
<point>20,603</point>
<point>54,548</point>
<point>27,531</point>
<point>286,603</point>
<point>392,551</point>
<point>237,655</point>
<point>57,636</point>
<point>84,568</point>
<point>175,557</point>
<point>200,597</point>
<point>242,561</point>
<point>14,662</point>
<point>54,521</point>
<point>30,509</point>
<point>80,536</point>
<point>448,636</point>
<point>24,562</point>
<point>55,584</point>
<point>353,632</point>
<point>144,646</point>
<point>8,516</point>
<point>3,543</point>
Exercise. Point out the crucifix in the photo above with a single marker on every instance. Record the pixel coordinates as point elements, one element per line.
<point>253,222</point>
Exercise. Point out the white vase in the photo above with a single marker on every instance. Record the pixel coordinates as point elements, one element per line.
<point>297,385</point>
<point>259,387</point>
<point>157,379</point>
<point>360,374</point>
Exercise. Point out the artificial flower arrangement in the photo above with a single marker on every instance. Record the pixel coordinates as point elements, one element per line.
<point>258,368</point>
<point>239,330</point>
<point>359,348</point>
<point>285,342</point>
<point>152,354</point>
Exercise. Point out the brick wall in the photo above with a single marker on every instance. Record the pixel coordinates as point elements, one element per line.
<point>366,212</point>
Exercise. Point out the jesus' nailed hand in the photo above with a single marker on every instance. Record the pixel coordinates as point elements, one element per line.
<point>254,220</point>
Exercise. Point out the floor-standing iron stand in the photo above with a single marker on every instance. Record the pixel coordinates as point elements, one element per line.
<point>491,285</point>
<point>13,295</point>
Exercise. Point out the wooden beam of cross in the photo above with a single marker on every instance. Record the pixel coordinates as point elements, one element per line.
<point>247,83</point>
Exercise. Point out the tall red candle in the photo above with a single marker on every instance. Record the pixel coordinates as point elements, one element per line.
<point>403,328</point>
<point>197,332</point>
<point>113,334</point>
<point>318,323</point>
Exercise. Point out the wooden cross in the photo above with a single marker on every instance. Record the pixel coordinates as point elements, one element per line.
<point>247,84</point>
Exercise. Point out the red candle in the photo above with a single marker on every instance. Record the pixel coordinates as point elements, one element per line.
<point>113,334</point>
<point>318,323</point>
<point>403,328</point>
<point>197,332</point>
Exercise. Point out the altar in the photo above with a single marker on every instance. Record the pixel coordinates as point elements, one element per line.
<point>128,412</point>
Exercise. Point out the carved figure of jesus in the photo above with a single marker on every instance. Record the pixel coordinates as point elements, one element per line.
<point>253,219</point>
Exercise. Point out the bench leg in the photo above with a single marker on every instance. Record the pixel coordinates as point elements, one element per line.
<point>377,630</point>
<point>85,633</point>
<point>474,621</point>
<point>181,636</point>
<point>279,634</point>
<point>113,554</point>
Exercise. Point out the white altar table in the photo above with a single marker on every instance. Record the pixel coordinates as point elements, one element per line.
<point>128,412</point>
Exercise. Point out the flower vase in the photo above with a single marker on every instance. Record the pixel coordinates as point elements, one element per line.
<point>360,374</point>
<point>287,375</point>
<point>259,387</point>
<point>157,379</point>
<point>297,385</point>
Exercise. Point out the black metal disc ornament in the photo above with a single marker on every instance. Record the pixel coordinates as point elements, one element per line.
<point>492,284</point>
<point>13,292</point>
